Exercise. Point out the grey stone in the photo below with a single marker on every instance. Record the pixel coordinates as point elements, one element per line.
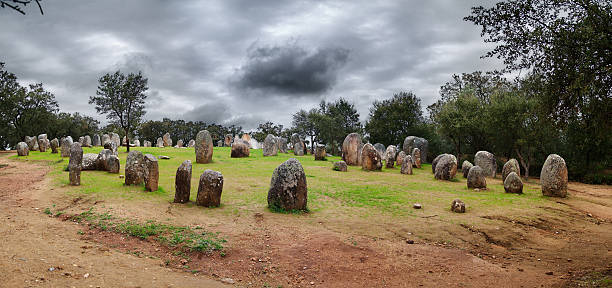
<point>203,147</point>
<point>486,161</point>
<point>105,139</point>
<point>113,164</point>
<point>416,157</point>
<point>182,182</point>
<point>179,143</point>
<point>476,178</point>
<point>288,188</point>
<point>191,143</point>
<point>554,176</point>
<point>465,168</point>
<point>458,206</point>
<point>114,137</point>
<point>112,146</point>
<point>281,143</point>
<point>446,167</point>
<point>137,143</point>
<point>340,166</point>
<point>96,140</point>
<point>381,149</point>
<point>210,189</point>
<point>406,165</point>
<point>87,141</point>
<point>75,164</point>
<point>320,154</point>
<point>370,158</point>
<point>513,183</point>
<point>102,162</point>
<point>270,147</point>
<point>90,161</point>
<point>134,168</point>
<point>22,149</point>
<point>511,166</point>
<point>66,144</point>
<point>54,144</point>
<point>42,142</point>
<point>32,143</point>
<point>160,143</point>
<point>435,162</point>
<point>151,172</point>
<point>412,142</point>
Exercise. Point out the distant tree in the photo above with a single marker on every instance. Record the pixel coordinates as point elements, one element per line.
<point>122,97</point>
<point>391,120</point>
<point>16,5</point>
<point>74,124</point>
<point>304,123</point>
<point>267,128</point>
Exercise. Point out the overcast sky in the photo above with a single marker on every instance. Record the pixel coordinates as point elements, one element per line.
<point>244,62</point>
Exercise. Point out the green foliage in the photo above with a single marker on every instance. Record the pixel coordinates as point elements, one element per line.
<point>183,130</point>
<point>391,120</point>
<point>267,128</point>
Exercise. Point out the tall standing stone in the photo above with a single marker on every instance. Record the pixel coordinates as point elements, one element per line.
<point>167,140</point>
<point>160,143</point>
<point>115,138</point>
<point>113,164</point>
<point>66,144</point>
<point>435,162</point>
<point>406,165</point>
<point>400,158</point>
<point>74,164</point>
<point>210,189</point>
<point>269,146</point>
<point>412,142</point>
<point>87,141</point>
<point>299,148</point>
<point>182,182</point>
<point>42,142</point>
<point>416,157</point>
<point>390,153</point>
<point>288,189</point>
<point>54,144</point>
<point>134,168</point>
<point>320,154</point>
<point>554,176</point>
<point>513,183</point>
<point>203,147</point>
<point>351,149</point>
<point>191,143</point>
<point>281,142</point>
<point>227,140</point>
<point>22,149</point>
<point>105,139</point>
<point>370,158</point>
<point>151,172</point>
<point>476,178</point>
<point>486,161</point>
<point>511,166</point>
<point>446,167</point>
<point>465,168</point>
<point>32,143</point>
<point>179,143</point>
<point>96,140</point>
<point>380,148</point>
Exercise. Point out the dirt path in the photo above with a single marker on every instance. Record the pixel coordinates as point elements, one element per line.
<point>270,250</point>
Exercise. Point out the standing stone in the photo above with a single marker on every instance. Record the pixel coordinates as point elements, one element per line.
<point>370,158</point>
<point>435,162</point>
<point>102,162</point>
<point>400,158</point>
<point>288,189</point>
<point>380,148</point>
<point>96,140</point>
<point>219,143</point>
<point>416,157</point>
<point>137,143</point>
<point>446,167</point>
<point>320,153</point>
<point>458,206</point>
<point>22,149</point>
<point>390,153</point>
<point>210,189</point>
<point>112,146</point>
<point>167,140</point>
<point>359,150</point>
<point>134,168</point>
<point>246,137</point>
<point>203,147</point>
<point>298,148</point>
<point>465,168</point>
<point>281,142</point>
<point>179,143</point>
<point>270,147</point>
<point>42,142</point>
<point>412,142</point>
<point>32,143</point>
<point>191,143</point>
<point>182,182</point>
<point>227,140</point>
<point>486,161</point>
<point>147,143</point>
<point>74,164</point>
<point>340,166</point>
<point>89,161</point>
<point>87,141</point>
<point>82,141</point>
<point>407,165</point>
<point>554,176</point>
<point>476,178</point>
<point>113,164</point>
<point>115,138</point>
<point>350,149</point>
<point>513,183</point>
<point>105,139</point>
<point>151,172</point>
<point>240,149</point>
<point>160,143</point>
<point>511,166</point>
<point>66,144</point>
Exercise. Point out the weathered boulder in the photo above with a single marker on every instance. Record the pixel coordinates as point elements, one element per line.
<point>203,147</point>
<point>320,153</point>
<point>220,143</point>
<point>167,140</point>
<point>22,149</point>
<point>105,139</point>
<point>554,176</point>
<point>486,161</point>
<point>113,164</point>
<point>513,183</point>
<point>114,137</point>
<point>281,143</point>
<point>32,143</point>
<point>102,162</point>
<point>246,137</point>
<point>446,167</point>
<point>112,146</point>
<point>227,140</point>
<point>210,189</point>
<point>179,143</point>
<point>54,144</point>
<point>390,153</point>
<point>400,158</point>
<point>340,166</point>
<point>87,141</point>
<point>146,143</point>
<point>191,143</point>
<point>299,148</point>
<point>435,162</point>
<point>412,142</point>
<point>370,158</point>
<point>134,168</point>
<point>511,166</point>
<point>465,168</point>
<point>240,149</point>
<point>350,149</point>
<point>416,157</point>
<point>269,146</point>
<point>160,143</point>
<point>96,140</point>
<point>182,182</point>
<point>74,164</point>
<point>66,144</point>
<point>90,161</point>
<point>476,178</point>
<point>406,165</point>
<point>151,172</point>
<point>380,148</point>
<point>288,189</point>
<point>42,142</point>
<point>458,206</point>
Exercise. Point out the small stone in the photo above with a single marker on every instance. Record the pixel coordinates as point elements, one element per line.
<point>549,273</point>
<point>410,241</point>
<point>417,206</point>
<point>86,275</point>
<point>163,157</point>
<point>228,280</point>
<point>121,176</point>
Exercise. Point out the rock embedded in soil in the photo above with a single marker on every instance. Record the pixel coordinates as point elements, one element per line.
<point>370,158</point>
<point>182,182</point>
<point>511,166</point>
<point>513,183</point>
<point>554,176</point>
<point>446,167</point>
<point>151,172</point>
<point>74,164</point>
<point>340,166</point>
<point>476,178</point>
<point>134,168</point>
<point>240,149</point>
<point>417,206</point>
<point>210,189</point>
<point>288,188</point>
<point>486,161</point>
<point>90,161</point>
<point>203,147</point>
<point>407,165</point>
<point>351,149</point>
<point>458,206</point>
<point>22,149</point>
<point>465,168</point>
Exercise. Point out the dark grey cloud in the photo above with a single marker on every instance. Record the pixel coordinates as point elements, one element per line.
<point>292,69</point>
<point>239,61</point>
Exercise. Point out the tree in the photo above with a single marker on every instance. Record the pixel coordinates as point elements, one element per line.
<point>304,123</point>
<point>16,5</point>
<point>267,128</point>
<point>122,97</point>
<point>391,120</point>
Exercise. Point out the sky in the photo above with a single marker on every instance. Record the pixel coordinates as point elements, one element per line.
<point>244,62</point>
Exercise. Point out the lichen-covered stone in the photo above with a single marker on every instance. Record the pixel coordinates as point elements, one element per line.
<point>75,164</point>
<point>320,154</point>
<point>399,160</point>
<point>54,144</point>
<point>458,206</point>
<point>33,144</point>
<point>102,160</point>
<point>113,164</point>
<point>511,166</point>
<point>446,167</point>
<point>151,172</point>
<point>340,166</point>
<point>182,182</point>
<point>114,137</point>
<point>407,165</point>
<point>476,178</point>
<point>179,143</point>
<point>203,147</point>
<point>412,142</point>
<point>227,140</point>
<point>370,158</point>
<point>299,148</point>
<point>416,157</point>
<point>554,176</point>
<point>288,189</point>
<point>23,149</point>
<point>210,189</point>
<point>281,143</point>
<point>381,149</point>
<point>435,162</point>
<point>66,144</point>
<point>89,161</point>
<point>167,140</point>
<point>87,141</point>
<point>42,142</point>
<point>486,161</point>
<point>96,140</point>
<point>105,139</point>
<point>134,168</point>
<point>390,153</point>
<point>351,147</point>
<point>270,147</point>
<point>513,183</point>
<point>160,143</point>
<point>240,149</point>
<point>112,146</point>
<point>465,168</point>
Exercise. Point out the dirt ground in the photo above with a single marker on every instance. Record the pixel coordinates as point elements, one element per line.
<point>269,250</point>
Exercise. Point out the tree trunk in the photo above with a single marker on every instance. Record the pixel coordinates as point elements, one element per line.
<point>127,140</point>
<point>524,163</point>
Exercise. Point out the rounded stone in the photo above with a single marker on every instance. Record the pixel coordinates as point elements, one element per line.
<point>288,188</point>
<point>75,164</point>
<point>446,167</point>
<point>182,182</point>
<point>400,158</point>
<point>407,165</point>
<point>511,166</point>
<point>270,147</point>
<point>54,144</point>
<point>412,142</point>
<point>351,147</point>
<point>465,168</point>
<point>486,161</point>
<point>89,161</point>
<point>458,206</point>
<point>210,189</point>
<point>513,183</point>
<point>167,140</point>
<point>381,149</point>
<point>240,149</point>
<point>203,147</point>
<point>113,164</point>
<point>22,149</point>
<point>320,154</point>
<point>476,178</point>
<point>340,166</point>
<point>370,158</point>
<point>554,176</point>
